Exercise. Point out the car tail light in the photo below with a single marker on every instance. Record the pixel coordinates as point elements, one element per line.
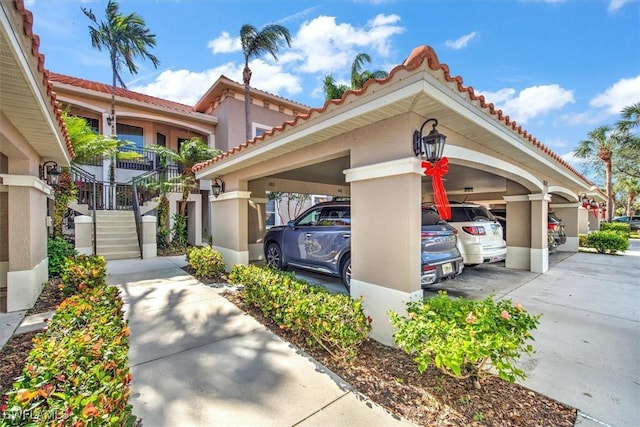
<point>475,230</point>
<point>426,268</point>
<point>552,226</point>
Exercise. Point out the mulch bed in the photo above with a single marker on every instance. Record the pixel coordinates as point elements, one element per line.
<point>384,375</point>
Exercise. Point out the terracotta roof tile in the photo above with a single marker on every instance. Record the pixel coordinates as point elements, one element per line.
<point>124,93</point>
<point>27,20</point>
<point>413,61</point>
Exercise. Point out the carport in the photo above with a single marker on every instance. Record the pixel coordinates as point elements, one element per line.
<point>362,146</point>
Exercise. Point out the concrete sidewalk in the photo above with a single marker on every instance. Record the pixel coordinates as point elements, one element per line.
<point>198,360</point>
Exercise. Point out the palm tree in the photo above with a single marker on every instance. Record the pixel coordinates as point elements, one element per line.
<point>126,38</point>
<point>358,78</point>
<point>630,189</point>
<point>332,90</point>
<point>628,156</point>
<point>602,143</point>
<point>191,152</point>
<point>255,43</point>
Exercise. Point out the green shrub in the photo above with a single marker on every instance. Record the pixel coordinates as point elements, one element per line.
<point>206,262</point>
<point>619,227</point>
<point>58,250</point>
<point>607,241</point>
<point>78,371</point>
<point>333,321</point>
<point>582,240</point>
<point>461,337</point>
<point>83,272</point>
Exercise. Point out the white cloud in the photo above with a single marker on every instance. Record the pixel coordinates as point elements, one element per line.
<point>323,46</point>
<point>621,94</point>
<point>187,87</point>
<point>531,102</point>
<point>615,5</point>
<point>461,41</point>
<point>224,43</point>
<point>183,86</point>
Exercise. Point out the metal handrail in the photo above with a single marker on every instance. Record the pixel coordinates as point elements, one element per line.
<point>138,217</point>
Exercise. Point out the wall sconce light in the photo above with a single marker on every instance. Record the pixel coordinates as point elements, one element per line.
<point>431,146</point>
<point>218,187</point>
<point>50,172</point>
<point>584,200</point>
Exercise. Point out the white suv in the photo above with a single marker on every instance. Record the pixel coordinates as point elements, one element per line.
<point>480,238</point>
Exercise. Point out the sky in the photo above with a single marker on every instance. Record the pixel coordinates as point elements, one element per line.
<point>559,68</point>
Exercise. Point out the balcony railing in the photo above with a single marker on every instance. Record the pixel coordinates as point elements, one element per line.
<point>131,158</point>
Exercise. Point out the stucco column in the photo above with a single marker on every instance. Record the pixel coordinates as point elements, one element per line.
<point>149,241</point>
<point>518,235</point>
<point>385,239</point>
<point>539,234</point>
<point>27,229</point>
<point>569,214</point>
<point>583,220</point>
<point>257,227</point>
<point>229,225</point>
<point>84,234</point>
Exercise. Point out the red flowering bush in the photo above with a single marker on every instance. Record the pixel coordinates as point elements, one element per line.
<point>78,370</point>
<point>464,338</point>
<point>83,272</point>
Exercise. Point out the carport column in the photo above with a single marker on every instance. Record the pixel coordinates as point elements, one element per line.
<point>385,239</point>
<point>569,213</point>
<point>229,225</point>
<point>539,233</point>
<point>518,236</point>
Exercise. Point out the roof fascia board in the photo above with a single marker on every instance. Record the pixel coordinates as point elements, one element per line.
<point>83,92</point>
<point>463,106</point>
<point>306,128</point>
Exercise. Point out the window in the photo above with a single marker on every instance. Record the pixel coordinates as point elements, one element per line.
<point>130,133</point>
<point>260,129</point>
<point>310,218</point>
<point>94,124</point>
<point>161,139</point>
<point>270,211</point>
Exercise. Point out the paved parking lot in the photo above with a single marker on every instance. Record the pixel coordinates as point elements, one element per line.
<point>588,341</point>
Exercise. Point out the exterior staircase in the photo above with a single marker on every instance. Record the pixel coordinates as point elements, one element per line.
<point>116,235</point>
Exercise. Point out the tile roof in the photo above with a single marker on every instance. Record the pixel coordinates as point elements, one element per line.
<point>124,93</point>
<point>224,82</point>
<point>27,21</point>
<point>415,60</point>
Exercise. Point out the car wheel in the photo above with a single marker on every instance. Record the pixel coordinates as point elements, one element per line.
<point>274,256</point>
<point>345,272</point>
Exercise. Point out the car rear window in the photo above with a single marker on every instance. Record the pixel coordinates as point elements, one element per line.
<point>470,213</point>
<point>430,217</point>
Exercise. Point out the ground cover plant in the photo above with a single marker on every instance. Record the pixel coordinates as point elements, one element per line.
<point>77,371</point>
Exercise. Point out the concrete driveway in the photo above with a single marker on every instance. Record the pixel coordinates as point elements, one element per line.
<point>588,341</point>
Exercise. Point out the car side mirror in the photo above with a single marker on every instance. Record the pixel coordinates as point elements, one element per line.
<point>291,224</point>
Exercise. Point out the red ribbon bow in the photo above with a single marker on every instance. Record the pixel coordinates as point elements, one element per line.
<point>436,171</point>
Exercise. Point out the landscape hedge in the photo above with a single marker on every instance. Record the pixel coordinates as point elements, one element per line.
<point>78,370</point>
<point>334,322</point>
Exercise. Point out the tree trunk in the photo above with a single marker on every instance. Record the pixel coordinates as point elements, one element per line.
<point>246,77</point>
<point>609,189</point>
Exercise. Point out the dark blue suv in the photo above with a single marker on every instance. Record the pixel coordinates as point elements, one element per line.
<point>320,240</point>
